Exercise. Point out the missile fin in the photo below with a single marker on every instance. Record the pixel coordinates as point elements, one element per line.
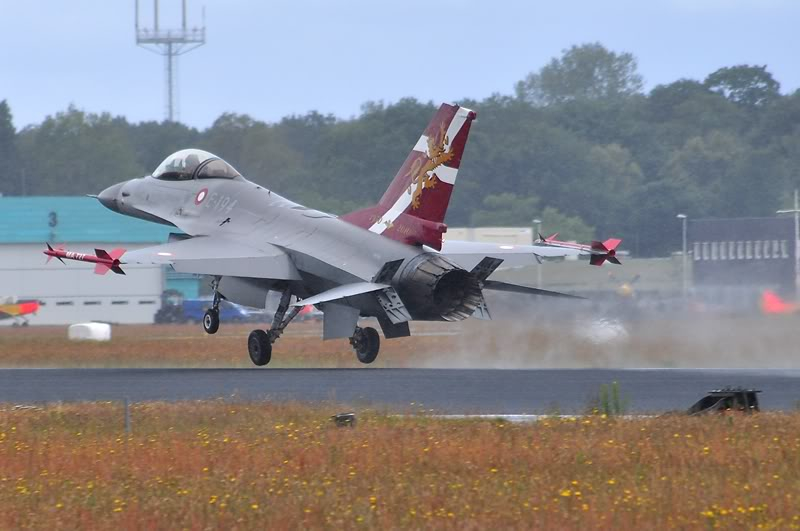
<point>100,253</point>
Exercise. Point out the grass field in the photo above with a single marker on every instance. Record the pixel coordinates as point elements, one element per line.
<point>690,342</point>
<point>221,465</point>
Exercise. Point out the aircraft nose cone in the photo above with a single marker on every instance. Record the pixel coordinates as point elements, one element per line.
<point>109,197</point>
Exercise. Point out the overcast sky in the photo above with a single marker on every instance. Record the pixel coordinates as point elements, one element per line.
<point>272,58</point>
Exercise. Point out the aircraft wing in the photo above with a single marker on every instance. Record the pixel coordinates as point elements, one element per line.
<point>213,255</point>
<point>496,285</point>
<point>469,254</point>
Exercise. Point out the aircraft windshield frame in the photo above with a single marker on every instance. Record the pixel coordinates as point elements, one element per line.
<point>216,168</point>
<point>189,164</point>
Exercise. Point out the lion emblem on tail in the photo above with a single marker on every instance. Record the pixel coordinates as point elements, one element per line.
<point>436,156</point>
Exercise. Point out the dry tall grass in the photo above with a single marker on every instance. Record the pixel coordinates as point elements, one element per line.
<point>219,465</point>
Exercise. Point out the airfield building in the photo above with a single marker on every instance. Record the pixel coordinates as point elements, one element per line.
<point>71,292</point>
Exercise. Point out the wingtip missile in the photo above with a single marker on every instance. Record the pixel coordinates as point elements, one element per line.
<point>104,261</point>
<point>599,252</point>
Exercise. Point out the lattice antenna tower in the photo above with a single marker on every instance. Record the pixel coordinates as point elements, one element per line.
<point>170,43</point>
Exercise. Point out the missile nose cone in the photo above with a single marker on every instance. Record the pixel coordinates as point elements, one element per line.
<point>109,197</point>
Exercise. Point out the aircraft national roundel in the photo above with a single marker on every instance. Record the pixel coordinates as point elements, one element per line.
<point>201,196</point>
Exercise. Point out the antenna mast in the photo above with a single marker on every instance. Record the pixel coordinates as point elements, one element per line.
<point>170,43</point>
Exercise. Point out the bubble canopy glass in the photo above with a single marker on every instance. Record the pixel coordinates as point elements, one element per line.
<point>189,164</point>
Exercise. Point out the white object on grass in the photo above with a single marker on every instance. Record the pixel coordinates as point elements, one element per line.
<point>89,331</point>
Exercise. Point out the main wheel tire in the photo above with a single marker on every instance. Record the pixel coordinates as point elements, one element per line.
<point>368,345</point>
<point>260,347</point>
<point>211,321</point>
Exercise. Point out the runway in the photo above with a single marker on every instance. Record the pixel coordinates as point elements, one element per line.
<point>439,390</point>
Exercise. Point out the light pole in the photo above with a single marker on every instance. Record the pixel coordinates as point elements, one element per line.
<point>684,264</point>
<point>538,224</point>
<point>796,212</point>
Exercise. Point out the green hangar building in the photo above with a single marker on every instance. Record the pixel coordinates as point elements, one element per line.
<point>71,292</point>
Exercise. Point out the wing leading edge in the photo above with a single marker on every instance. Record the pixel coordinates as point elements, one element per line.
<point>212,255</point>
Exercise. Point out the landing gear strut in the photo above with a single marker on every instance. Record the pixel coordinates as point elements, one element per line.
<point>366,342</point>
<point>211,317</point>
<point>259,344</point>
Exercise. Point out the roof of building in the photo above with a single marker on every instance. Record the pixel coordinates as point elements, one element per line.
<point>71,219</point>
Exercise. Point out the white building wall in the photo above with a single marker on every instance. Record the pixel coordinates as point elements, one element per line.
<point>503,235</point>
<point>72,293</point>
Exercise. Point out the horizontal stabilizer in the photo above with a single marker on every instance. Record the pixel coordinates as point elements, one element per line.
<point>515,288</point>
<point>482,311</point>
<point>342,292</point>
<point>486,267</point>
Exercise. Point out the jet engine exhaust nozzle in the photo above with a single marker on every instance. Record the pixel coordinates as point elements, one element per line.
<point>436,289</point>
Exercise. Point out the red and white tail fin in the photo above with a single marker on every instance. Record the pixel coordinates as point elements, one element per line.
<point>771,302</point>
<point>413,208</point>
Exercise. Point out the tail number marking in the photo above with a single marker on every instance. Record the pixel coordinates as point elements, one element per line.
<point>219,202</point>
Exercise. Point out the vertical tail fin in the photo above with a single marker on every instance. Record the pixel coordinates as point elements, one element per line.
<point>771,302</point>
<point>414,206</point>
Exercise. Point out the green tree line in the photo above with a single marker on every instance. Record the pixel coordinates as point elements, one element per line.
<point>579,144</point>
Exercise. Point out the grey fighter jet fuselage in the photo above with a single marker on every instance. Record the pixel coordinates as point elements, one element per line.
<point>388,261</point>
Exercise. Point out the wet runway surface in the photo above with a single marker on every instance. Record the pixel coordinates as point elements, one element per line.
<point>442,390</point>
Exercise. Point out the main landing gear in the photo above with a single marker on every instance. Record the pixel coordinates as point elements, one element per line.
<point>259,344</point>
<point>211,317</point>
<point>366,342</point>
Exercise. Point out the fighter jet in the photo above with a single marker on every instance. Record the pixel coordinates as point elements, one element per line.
<point>387,261</point>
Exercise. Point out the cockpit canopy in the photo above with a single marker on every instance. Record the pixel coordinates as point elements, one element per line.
<point>189,164</point>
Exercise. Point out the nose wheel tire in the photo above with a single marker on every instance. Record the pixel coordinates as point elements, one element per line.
<point>211,321</point>
<point>260,347</point>
<point>366,342</point>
